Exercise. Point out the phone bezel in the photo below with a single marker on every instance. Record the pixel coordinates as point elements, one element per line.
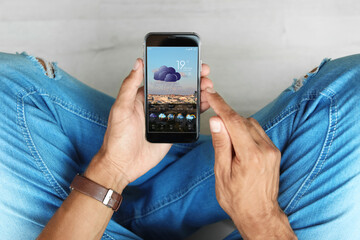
<point>175,39</point>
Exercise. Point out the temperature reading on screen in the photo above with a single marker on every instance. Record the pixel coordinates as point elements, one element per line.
<point>180,63</point>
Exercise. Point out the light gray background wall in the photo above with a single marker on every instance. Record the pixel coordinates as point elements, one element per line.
<point>254,47</point>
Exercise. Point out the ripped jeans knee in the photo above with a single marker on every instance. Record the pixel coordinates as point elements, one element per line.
<point>48,67</point>
<point>300,82</point>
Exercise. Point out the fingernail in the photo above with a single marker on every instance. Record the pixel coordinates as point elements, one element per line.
<point>210,90</point>
<point>136,65</point>
<point>215,126</point>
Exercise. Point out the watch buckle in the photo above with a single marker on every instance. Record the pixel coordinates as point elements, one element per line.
<point>108,196</point>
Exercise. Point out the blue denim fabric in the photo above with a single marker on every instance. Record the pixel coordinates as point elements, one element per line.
<point>50,128</point>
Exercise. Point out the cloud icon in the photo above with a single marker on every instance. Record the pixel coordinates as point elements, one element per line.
<point>167,74</point>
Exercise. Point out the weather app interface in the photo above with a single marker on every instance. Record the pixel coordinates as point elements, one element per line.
<point>172,88</point>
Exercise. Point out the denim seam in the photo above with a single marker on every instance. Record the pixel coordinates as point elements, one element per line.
<point>287,112</point>
<point>22,123</point>
<point>62,105</point>
<point>172,197</point>
<point>333,118</point>
<point>89,116</point>
<point>77,114</point>
<point>30,143</point>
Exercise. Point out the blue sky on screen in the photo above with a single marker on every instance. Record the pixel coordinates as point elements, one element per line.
<point>182,59</point>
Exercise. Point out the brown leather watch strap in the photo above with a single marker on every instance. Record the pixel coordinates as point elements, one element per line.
<point>88,187</point>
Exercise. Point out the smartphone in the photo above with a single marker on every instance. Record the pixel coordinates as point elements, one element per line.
<point>172,87</point>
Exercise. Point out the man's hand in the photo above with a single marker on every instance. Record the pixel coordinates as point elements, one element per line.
<point>247,166</point>
<point>125,152</point>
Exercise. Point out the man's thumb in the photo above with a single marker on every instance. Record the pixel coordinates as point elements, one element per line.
<point>221,142</point>
<point>130,85</point>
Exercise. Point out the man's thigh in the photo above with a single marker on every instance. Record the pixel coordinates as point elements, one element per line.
<point>49,130</point>
<point>315,125</point>
<point>318,134</point>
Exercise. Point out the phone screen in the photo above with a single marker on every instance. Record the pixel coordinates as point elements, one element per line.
<point>172,74</point>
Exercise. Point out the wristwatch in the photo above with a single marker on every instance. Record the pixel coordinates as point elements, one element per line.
<point>108,197</point>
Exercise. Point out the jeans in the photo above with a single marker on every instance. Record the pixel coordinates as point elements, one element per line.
<point>50,128</point>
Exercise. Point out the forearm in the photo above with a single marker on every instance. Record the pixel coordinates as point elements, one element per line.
<point>80,216</point>
<point>269,226</point>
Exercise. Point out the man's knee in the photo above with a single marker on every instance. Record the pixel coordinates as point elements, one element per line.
<point>21,72</point>
<point>344,72</point>
<point>21,63</point>
<point>47,66</point>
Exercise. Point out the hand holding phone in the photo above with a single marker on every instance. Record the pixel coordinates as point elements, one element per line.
<point>125,152</point>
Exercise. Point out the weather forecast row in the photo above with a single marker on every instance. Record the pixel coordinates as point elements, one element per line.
<point>171,117</point>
